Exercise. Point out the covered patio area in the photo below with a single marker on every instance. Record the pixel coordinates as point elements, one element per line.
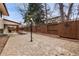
<point>10,28</point>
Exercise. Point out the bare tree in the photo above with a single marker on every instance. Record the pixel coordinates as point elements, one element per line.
<point>22,8</point>
<point>69,11</point>
<point>61,11</point>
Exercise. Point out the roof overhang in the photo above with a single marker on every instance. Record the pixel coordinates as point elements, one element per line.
<point>12,21</point>
<point>3,9</point>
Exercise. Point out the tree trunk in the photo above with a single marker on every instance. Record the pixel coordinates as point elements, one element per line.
<point>61,11</point>
<point>69,11</point>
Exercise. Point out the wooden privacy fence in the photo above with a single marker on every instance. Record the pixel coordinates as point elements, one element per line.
<point>52,29</point>
<point>68,29</point>
<point>43,28</point>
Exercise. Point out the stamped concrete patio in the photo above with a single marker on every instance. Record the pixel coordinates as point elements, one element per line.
<point>42,45</point>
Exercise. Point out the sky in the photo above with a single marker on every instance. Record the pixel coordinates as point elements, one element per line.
<point>14,14</point>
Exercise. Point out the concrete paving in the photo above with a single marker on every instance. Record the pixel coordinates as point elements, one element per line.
<point>20,45</point>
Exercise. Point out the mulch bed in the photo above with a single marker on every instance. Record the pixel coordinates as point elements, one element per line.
<point>3,41</point>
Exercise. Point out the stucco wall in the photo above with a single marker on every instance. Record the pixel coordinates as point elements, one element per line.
<point>1,24</point>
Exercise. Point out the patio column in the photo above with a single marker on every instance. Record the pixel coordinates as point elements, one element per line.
<point>6,29</point>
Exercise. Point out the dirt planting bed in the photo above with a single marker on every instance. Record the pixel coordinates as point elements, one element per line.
<point>3,41</point>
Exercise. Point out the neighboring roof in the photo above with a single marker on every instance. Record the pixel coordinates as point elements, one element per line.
<point>12,21</point>
<point>3,9</point>
<point>56,17</point>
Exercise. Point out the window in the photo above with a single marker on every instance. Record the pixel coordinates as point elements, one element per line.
<point>0,14</point>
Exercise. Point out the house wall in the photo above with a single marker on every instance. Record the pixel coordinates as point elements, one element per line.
<point>1,23</point>
<point>10,26</point>
<point>3,11</point>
